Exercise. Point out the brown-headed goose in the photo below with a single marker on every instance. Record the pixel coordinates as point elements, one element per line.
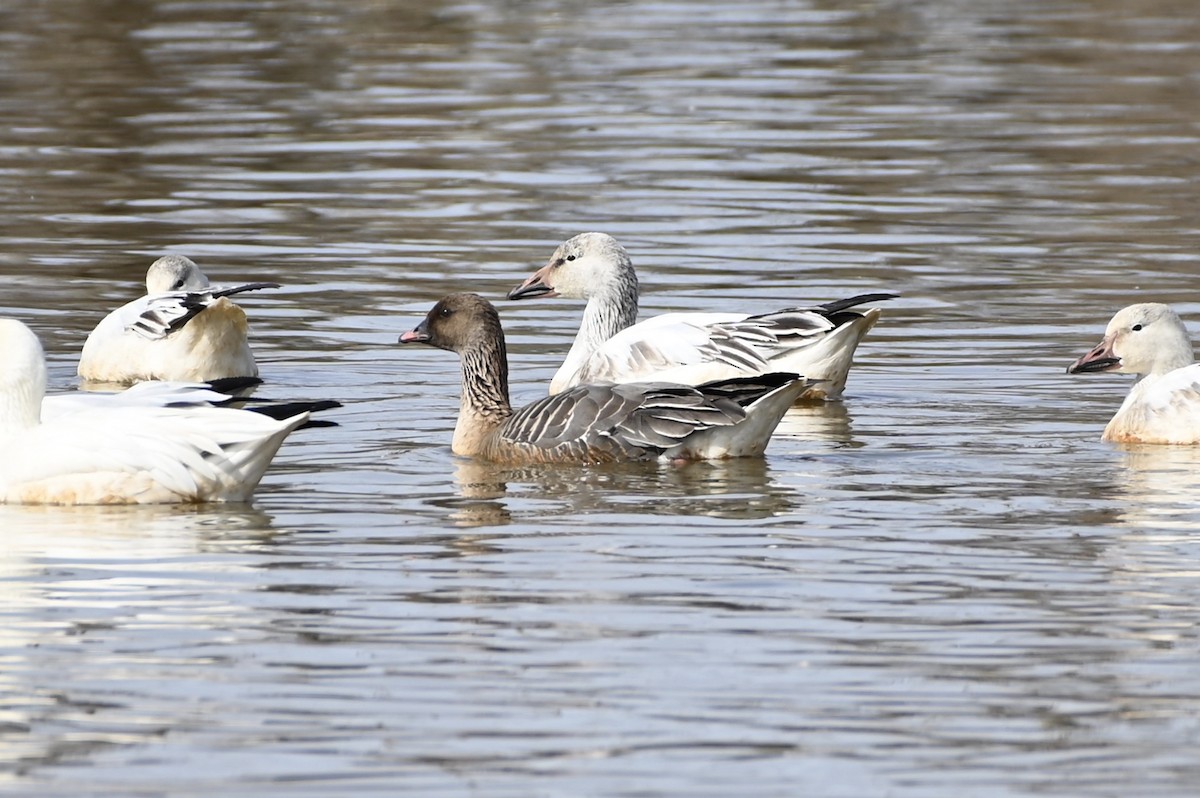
<point>595,423</point>
<point>1163,406</point>
<point>184,329</point>
<point>691,348</point>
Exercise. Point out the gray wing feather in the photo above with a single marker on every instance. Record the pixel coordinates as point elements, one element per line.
<point>769,335</point>
<point>626,421</point>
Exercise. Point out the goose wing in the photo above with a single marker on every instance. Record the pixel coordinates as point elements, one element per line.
<point>699,347</point>
<point>621,421</point>
<point>164,394</point>
<point>674,340</point>
<point>157,316</point>
<point>782,333</point>
<point>143,394</point>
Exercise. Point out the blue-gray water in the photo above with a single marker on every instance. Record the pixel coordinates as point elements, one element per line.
<point>945,586</point>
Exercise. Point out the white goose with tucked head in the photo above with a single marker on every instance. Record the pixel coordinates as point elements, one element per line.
<point>1149,340</point>
<point>690,348</point>
<point>122,453</point>
<point>184,329</point>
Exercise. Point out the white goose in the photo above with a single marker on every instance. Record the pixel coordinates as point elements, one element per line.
<point>689,348</point>
<point>595,423</point>
<point>184,329</point>
<point>1163,406</point>
<point>218,393</point>
<point>124,453</point>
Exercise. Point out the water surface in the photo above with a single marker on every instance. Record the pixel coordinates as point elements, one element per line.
<point>944,586</point>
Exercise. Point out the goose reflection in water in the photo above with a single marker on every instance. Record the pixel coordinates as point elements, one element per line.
<point>740,488</point>
<point>1160,485</point>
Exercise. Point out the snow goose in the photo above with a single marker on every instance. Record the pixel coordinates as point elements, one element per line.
<point>1163,406</point>
<point>691,348</point>
<point>183,329</point>
<point>215,393</point>
<point>122,454</point>
<point>595,423</point>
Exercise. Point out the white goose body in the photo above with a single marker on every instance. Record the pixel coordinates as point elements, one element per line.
<point>184,329</point>
<point>1163,406</point>
<point>114,453</point>
<point>690,348</point>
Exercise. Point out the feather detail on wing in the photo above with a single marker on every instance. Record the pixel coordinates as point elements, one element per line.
<point>694,348</point>
<point>634,420</point>
<point>163,314</point>
<point>702,347</point>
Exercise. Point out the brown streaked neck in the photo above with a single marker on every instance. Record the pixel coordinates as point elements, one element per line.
<point>485,403</point>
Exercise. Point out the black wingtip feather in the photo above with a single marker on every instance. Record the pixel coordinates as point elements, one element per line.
<point>862,299</point>
<point>233,385</point>
<point>768,381</point>
<point>237,289</point>
<point>281,410</point>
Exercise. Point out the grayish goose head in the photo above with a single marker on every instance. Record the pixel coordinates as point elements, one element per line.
<point>581,267</point>
<point>174,273</point>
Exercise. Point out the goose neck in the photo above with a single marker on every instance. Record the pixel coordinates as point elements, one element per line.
<point>21,404</point>
<point>485,400</point>
<point>608,313</point>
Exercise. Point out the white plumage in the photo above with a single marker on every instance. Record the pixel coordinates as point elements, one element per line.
<point>184,329</point>
<point>690,348</point>
<point>121,451</point>
<point>1163,406</point>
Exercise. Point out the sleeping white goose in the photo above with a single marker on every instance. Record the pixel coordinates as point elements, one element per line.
<point>184,329</point>
<point>595,423</point>
<point>1163,406</point>
<point>124,453</point>
<point>691,348</point>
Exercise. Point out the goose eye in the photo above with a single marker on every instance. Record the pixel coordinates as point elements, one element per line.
<point>570,257</point>
<point>178,285</point>
<point>445,312</point>
<point>1136,327</point>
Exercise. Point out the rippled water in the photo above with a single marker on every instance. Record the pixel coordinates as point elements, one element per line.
<point>944,586</point>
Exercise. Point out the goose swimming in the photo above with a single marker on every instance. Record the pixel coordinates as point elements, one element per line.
<point>692,348</point>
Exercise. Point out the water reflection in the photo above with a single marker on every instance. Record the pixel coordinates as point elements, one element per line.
<point>741,488</point>
<point>828,422</point>
<point>1159,486</point>
<point>47,528</point>
<point>943,583</point>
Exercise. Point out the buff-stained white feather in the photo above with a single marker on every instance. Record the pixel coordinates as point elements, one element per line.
<point>109,451</point>
<point>1150,341</point>
<point>183,329</point>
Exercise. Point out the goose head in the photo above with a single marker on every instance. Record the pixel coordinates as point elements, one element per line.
<point>174,273</point>
<point>588,265</point>
<point>458,323</point>
<point>1146,338</point>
